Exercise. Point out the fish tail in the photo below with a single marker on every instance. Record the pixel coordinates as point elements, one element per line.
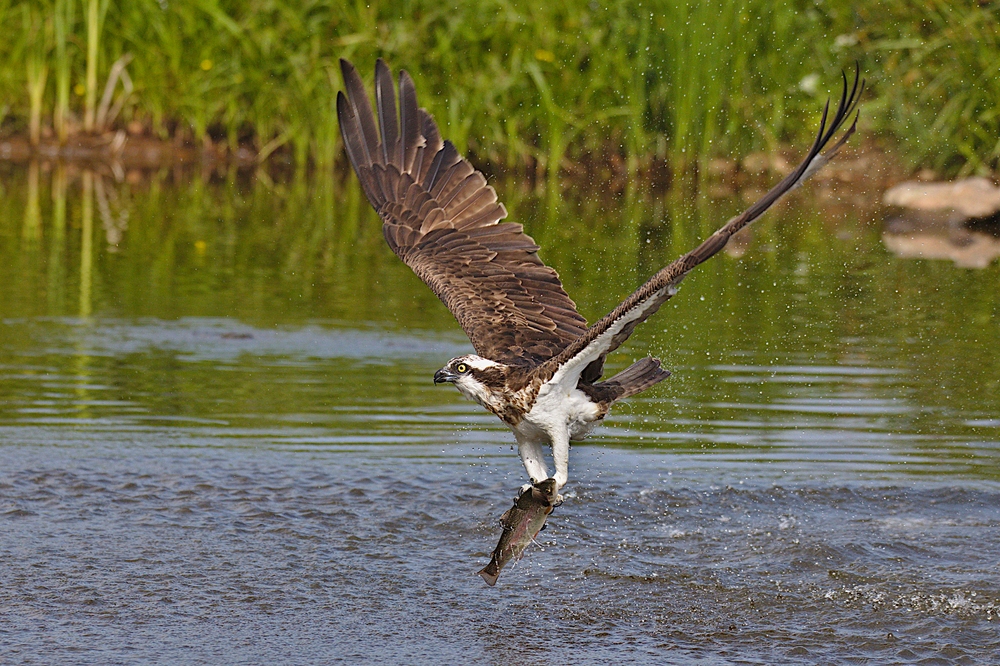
<point>490,573</point>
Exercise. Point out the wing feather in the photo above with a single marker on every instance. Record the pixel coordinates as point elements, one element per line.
<point>613,329</point>
<point>385,97</point>
<point>444,221</point>
<point>409,122</point>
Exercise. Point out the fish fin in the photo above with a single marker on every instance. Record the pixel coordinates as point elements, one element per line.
<point>505,518</point>
<point>489,576</point>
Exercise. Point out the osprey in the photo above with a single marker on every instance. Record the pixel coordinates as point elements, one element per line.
<point>537,366</point>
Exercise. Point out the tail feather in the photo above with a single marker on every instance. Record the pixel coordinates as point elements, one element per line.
<point>634,379</point>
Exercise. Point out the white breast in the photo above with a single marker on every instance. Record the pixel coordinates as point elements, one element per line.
<point>558,410</point>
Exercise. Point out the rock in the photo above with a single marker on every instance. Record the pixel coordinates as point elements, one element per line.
<point>971,197</point>
<point>721,168</point>
<point>977,250</point>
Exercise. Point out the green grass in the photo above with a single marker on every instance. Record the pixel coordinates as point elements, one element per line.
<point>940,80</point>
<point>521,84</point>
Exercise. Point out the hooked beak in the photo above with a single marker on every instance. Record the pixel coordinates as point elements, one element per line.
<point>444,375</point>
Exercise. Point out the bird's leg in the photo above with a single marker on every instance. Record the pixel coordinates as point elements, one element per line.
<point>560,456</point>
<point>531,455</point>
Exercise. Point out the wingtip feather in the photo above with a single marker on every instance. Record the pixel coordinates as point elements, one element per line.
<point>388,118</point>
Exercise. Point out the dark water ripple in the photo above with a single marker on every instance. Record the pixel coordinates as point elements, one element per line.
<point>208,555</point>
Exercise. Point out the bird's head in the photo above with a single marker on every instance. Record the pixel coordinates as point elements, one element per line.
<point>475,377</point>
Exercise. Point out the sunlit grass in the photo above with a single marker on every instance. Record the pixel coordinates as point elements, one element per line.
<point>519,84</point>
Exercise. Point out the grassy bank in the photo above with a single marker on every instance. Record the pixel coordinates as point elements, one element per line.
<point>516,84</point>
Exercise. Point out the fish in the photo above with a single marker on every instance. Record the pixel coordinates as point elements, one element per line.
<point>521,524</point>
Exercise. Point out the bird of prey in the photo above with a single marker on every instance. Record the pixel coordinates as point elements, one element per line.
<point>538,365</point>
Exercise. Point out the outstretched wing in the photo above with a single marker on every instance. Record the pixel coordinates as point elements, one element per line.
<point>614,328</point>
<point>441,218</point>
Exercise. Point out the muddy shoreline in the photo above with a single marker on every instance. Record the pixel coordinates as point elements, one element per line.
<point>868,166</point>
<point>131,151</point>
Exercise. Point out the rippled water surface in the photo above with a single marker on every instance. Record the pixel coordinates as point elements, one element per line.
<point>220,443</point>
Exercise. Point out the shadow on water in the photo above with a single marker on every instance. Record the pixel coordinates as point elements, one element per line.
<point>221,439</point>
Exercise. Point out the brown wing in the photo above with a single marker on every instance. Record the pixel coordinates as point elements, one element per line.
<point>441,218</point>
<point>614,328</point>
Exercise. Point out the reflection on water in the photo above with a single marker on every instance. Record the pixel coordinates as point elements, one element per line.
<point>221,440</point>
<point>940,236</point>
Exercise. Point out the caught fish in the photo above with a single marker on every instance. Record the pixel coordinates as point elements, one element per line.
<point>521,523</point>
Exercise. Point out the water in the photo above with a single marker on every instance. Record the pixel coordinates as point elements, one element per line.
<point>220,443</point>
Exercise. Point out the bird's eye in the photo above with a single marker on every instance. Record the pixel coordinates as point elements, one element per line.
<point>462,368</point>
